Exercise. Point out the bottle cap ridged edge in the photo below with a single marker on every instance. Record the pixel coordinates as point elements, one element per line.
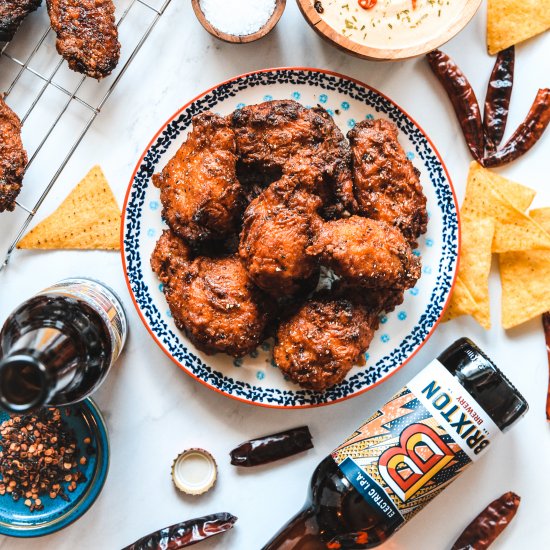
<point>190,488</point>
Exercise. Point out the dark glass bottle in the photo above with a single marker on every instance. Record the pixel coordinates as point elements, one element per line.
<point>429,431</point>
<point>57,347</point>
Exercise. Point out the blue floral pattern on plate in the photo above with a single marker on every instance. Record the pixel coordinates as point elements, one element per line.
<point>423,305</point>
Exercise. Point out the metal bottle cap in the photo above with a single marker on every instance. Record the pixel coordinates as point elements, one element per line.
<point>194,471</point>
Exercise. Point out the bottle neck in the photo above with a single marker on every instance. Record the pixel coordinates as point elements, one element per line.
<point>300,533</point>
<point>37,365</point>
<point>484,382</point>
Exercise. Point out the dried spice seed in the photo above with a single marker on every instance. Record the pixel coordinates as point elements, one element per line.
<point>37,454</point>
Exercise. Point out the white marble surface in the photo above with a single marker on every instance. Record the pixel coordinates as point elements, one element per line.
<point>153,410</point>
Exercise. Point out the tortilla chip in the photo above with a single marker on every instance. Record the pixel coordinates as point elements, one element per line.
<point>462,302</point>
<point>475,263</point>
<point>519,195</point>
<point>89,218</point>
<point>542,217</point>
<point>524,277</point>
<point>514,230</point>
<point>512,21</point>
<point>525,294</point>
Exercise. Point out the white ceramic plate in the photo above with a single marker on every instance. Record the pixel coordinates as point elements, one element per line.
<point>255,378</point>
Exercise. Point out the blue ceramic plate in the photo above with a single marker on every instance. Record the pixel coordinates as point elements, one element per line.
<point>15,518</point>
<point>255,379</point>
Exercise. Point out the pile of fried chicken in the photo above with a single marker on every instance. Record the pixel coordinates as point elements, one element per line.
<point>257,203</point>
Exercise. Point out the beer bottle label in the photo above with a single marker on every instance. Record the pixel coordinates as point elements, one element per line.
<point>416,444</point>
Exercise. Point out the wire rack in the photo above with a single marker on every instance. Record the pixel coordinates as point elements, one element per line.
<point>40,71</point>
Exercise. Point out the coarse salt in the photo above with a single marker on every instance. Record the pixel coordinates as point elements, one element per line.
<point>238,17</point>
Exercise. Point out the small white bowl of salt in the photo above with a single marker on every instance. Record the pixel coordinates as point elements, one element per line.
<point>238,21</point>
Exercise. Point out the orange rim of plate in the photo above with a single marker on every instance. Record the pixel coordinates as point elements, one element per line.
<point>144,321</point>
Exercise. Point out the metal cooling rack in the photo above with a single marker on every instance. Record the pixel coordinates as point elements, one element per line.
<point>24,67</point>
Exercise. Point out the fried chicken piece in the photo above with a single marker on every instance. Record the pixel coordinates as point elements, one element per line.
<point>307,167</point>
<point>323,340</point>
<point>271,134</point>
<point>380,300</point>
<point>171,257</point>
<point>252,182</point>
<point>201,196</point>
<point>220,308</point>
<point>13,157</point>
<point>87,35</point>
<point>12,13</point>
<point>387,185</point>
<point>367,253</point>
<point>277,229</point>
<point>212,299</point>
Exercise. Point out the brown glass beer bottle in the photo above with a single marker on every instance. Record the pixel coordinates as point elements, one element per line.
<point>57,347</point>
<point>405,454</point>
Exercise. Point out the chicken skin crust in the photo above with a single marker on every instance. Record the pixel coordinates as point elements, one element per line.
<point>212,299</point>
<point>381,300</point>
<point>366,253</point>
<point>273,133</point>
<point>386,184</point>
<point>12,13</point>
<point>171,257</point>
<point>201,196</point>
<point>13,157</point>
<point>278,227</point>
<point>87,35</point>
<point>323,340</point>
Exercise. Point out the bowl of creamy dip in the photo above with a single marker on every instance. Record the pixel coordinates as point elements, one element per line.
<point>388,30</point>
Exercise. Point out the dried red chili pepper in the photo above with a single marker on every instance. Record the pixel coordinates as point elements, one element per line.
<point>462,97</point>
<point>488,525</point>
<point>497,99</point>
<point>546,325</point>
<point>272,447</point>
<point>527,133</point>
<point>186,533</point>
